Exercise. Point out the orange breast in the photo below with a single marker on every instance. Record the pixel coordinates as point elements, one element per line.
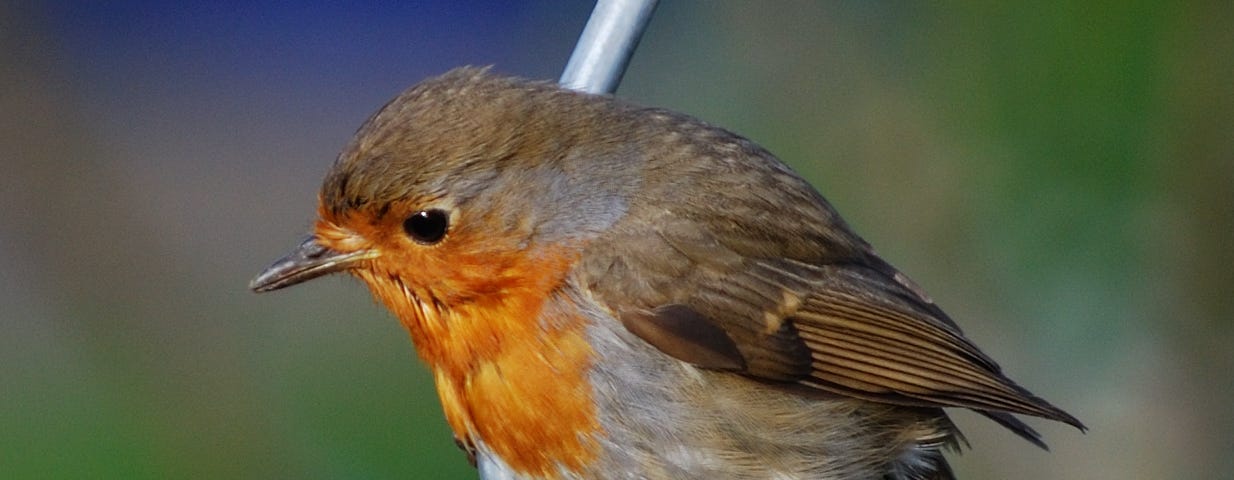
<point>510,362</point>
<point>508,350</point>
<point>531,405</point>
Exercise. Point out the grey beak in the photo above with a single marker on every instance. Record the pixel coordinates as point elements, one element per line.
<point>308,261</point>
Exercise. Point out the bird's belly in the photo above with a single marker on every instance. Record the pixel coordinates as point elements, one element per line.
<point>656,417</point>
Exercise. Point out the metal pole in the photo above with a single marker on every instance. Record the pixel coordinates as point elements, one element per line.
<point>606,45</point>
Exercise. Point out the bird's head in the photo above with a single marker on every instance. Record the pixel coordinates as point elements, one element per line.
<point>464,202</point>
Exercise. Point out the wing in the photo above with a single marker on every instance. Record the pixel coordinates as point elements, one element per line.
<point>845,322</point>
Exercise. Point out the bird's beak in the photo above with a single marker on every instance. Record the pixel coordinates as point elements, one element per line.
<point>308,261</point>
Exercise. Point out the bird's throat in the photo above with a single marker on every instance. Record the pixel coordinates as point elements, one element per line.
<point>511,369</point>
<point>531,405</point>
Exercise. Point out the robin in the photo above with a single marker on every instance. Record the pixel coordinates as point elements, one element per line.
<point>605,290</point>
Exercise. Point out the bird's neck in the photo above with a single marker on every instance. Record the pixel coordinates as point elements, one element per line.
<point>511,369</point>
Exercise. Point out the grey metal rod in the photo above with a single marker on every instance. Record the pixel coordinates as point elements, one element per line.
<point>606,45</point>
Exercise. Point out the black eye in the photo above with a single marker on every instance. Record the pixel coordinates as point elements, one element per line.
<point>427,226</point>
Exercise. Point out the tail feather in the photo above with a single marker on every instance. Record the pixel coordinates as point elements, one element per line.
<point>1015,425</point>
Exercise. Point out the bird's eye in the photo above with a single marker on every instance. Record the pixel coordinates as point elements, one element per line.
<point>427,226</point>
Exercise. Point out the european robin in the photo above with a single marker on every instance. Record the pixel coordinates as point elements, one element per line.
<point>605,290</point>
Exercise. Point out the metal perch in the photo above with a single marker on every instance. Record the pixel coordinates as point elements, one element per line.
<point>606,45</point>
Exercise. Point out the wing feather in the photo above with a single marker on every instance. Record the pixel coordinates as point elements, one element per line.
<point>843,321</point>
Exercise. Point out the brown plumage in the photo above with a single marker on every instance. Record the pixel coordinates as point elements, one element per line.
<point>626,291</point>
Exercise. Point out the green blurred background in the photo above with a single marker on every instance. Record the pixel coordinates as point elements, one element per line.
<point>1059,175</point>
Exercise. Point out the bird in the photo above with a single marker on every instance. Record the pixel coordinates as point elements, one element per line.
<point>606,290</point>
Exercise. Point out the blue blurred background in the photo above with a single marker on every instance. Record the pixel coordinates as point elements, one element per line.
<point>1059,175</point>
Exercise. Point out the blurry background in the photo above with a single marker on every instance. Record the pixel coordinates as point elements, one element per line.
<point>1060,176</point>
